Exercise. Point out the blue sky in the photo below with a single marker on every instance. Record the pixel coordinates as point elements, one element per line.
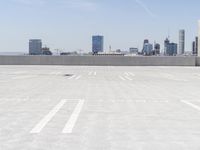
<point>69,24</point>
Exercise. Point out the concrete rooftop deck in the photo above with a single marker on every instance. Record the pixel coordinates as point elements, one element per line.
<point>99,108</point>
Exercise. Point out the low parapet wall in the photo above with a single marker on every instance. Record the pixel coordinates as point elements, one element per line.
<point>99,60</point>
<point>197,61</point>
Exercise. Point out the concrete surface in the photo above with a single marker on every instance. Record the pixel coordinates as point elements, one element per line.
<point>98,60</point>
<point>99,108</point>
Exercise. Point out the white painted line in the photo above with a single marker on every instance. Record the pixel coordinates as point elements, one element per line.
<point>78,77</point>
<point>128,78</point>
<point>126,73</point>
<point>190,104</point>
<point>121,78</point>
<point>73,119</point>
<point>38,128</point>
<point>95,73</point>
<point>71,77</point>
<point>132,74</point>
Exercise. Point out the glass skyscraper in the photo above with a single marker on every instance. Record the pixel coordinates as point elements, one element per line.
<point>181,42</point>
<point>35,47</point>
<point>97,44</point>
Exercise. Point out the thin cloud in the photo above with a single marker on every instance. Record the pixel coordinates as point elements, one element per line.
<point>76,4</point>
<point>30,2</point>
<point>79,4</point>
<point>147,10</point>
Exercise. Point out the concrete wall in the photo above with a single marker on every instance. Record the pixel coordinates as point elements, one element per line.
<point>99,60</point>
<point>197,61</point>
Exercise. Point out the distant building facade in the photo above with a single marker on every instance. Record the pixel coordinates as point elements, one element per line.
<point>35,47</point>
<point>195,46</point>
<point>146,41</point>
<point>198,53</point>
<point>46,51</point>
<point>97,44</point>
<point>148,49</point>
<point>181,42</point>
<point>171,49</point>
<point>166,42</point>
<point>156,49</point>
<point>133,50</point>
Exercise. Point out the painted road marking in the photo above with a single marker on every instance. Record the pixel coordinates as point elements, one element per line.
<point>38,128</point>
<point>132,74</point>
<point>73,119</point>
<point>121,78</point>
<point>126,73</point>
<point>78,77</point>
<point>95,73</point>
<point>71,77</point>
<point>127,77</point>
<point>190,104</point>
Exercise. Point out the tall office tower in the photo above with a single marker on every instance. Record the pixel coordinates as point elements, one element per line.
<point>198,38</point>
<point>196,44</point>
<point>194,48</point>
<point>166,42</point>
<point>148,49</point>
<point>97,44</point>
<point>171,49</point>
<point>181,42</point>
<point>35,47</point>
<point>146,41</point>
<point>157,48</point>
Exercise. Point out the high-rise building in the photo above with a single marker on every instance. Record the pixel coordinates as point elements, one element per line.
<point>171,49</point>
<point>97,44</point>
<point>148,49</point>
<point>166,42</point>
<point>35,47</point>
<point>195,46</point>
<point>146,41</point>
<point>181,42</point>
<point>198,39</point>
<point>157,49</point>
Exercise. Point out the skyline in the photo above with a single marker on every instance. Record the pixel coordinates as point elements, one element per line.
<point>123,25</point>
